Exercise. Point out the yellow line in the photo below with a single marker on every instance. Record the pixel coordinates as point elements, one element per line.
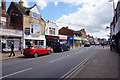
<point>74,68</point>
<point>78,67</point>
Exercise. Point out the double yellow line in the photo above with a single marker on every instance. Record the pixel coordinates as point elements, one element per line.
<point>71,72</point>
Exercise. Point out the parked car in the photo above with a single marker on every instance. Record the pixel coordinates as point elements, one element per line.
<point>91,43</point>
<point>97,43</point>
<point>60,47</point>
<point>36,50</point>
<point>86,44</point>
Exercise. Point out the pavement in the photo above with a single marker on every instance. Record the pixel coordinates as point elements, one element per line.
<point>103,65</point>
<point>5,56</point>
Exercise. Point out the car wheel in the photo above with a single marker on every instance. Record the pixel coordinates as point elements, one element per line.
<point>49,52</point>
<point>68,49</point>
<point>35,55</point>
<point>62,50</point>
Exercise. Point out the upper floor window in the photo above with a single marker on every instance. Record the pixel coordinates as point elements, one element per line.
<point>35,28</point>
<point>52,31</point>
<point>35,15</point>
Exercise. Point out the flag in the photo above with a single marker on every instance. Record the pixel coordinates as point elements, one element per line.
<point>110,0</point>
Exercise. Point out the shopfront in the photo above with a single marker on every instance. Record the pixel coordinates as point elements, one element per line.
<point>77,41</point>
<point>7,36</point>
<point>63,38</point>
<point>70,40</point>
<point>51,39</point>
<point>34,40</point>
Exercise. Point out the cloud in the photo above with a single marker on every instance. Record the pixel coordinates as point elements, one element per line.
<point>26,3</point>
<point>41,3</point>
<point>56,3</point>
<point>94,16</point>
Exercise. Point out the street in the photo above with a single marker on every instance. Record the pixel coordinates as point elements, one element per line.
<point>55,65</point>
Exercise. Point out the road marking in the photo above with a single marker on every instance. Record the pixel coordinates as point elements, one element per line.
<point>71,72</point>
<point>16,73</point>
<point>59,59</point>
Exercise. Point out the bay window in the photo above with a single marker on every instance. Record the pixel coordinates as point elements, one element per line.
<point>35,28</point>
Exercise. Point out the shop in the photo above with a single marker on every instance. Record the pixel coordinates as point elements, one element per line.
<point>7,36</point>
<point>77,41</point>
<point>70,40</point>
<point>63,38</point>
<point>34,40</point>
<point>51,39</point>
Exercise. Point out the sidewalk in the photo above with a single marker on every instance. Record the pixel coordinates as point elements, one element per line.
<point>103,65</point>
<point>4,56</point>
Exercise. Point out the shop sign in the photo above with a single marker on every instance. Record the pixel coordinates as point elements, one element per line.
<point>77,38</point>
<point>9,32</point>
<point>62,37</point>
<point>70,38</point>
<point>27,31</point>
<point>52,37</point>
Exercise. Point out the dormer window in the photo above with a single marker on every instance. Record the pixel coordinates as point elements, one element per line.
<point>35,15</point>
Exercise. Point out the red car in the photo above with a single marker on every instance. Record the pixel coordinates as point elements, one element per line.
<point>36,50</point>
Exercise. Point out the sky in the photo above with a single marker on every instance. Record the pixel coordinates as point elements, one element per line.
<point>92,15</point>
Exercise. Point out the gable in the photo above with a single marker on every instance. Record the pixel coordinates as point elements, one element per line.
<point>35,10</point>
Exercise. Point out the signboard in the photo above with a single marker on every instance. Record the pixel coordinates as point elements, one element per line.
<point>62,37</point>
<point>27,31</point>
<point>10,32</point>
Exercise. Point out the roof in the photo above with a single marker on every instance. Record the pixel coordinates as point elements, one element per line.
<point>22,9</point>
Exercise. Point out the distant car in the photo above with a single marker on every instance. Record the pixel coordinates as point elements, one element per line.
<point>91,43</point>
<point>60,47</point>
<point>97,43</point>
<point>36,50</point>
<point>86,44</point>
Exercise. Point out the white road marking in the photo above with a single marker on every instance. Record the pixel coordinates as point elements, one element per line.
<point>59,59</point>
<point>16,73</point>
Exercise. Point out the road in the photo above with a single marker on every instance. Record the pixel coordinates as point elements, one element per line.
<point>56,65</point>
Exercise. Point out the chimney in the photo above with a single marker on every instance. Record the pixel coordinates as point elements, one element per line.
<point>21,2</point>
<point>67,27</point>
<point>3,4</point>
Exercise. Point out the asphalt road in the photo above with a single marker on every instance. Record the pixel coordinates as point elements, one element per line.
<point>55,65</point>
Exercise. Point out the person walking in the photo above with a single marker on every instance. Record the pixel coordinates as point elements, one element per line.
<point>21,48</point>
<point>12,49</point>
<point>102,44</point>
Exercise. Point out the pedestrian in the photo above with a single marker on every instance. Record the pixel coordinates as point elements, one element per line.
<point>80,43</point>
<point>21,48</point>
<point>12,49</point>
<point>102,43</point>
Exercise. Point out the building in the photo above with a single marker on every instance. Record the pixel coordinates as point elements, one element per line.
<point>115,28</point>
<point>28,20</point>
<point>7,33</point>
<point>69,33</point>
<point>51,33</point>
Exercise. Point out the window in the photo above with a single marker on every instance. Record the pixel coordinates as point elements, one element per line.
<point>35,15</point>
<point>51,30</point>
<point>35,28</point>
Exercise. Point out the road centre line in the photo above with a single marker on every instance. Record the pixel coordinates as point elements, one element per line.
<point>59,59</point>
<point>15,73</point>
<point>68,74</point>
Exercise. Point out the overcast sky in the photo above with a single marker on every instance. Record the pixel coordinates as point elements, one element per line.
<point>92,15</point>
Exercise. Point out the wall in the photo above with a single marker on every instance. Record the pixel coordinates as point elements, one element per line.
<point>52,25</point>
